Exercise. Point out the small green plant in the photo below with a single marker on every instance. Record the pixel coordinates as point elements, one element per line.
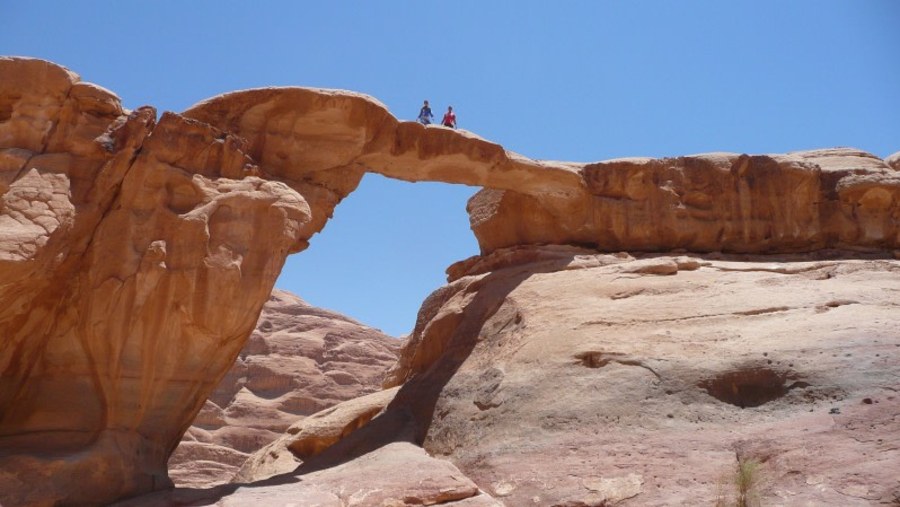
<point>745,481</point>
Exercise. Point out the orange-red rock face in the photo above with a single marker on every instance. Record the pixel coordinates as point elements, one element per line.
<point>799,202</point>
<point>135,259</point>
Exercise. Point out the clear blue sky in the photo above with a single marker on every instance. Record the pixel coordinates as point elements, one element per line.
<point>569,80</point>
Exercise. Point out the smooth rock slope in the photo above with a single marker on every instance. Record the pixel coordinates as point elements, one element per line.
<point>571,377</point>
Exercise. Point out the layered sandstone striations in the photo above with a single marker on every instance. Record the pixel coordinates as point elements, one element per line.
<point>298,361</point>
<point>797,202</point>
<point>136,255</point>
<point>313,435</point>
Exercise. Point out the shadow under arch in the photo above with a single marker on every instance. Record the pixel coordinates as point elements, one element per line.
<point>408,416</point>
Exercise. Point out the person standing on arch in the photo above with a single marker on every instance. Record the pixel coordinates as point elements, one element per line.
<point>449,118</point>
<point>425,115</point>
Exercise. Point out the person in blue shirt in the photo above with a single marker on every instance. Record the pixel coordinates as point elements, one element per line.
<point>425,115</point>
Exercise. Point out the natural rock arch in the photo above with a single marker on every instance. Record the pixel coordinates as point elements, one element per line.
<point>796,202</point>
<point>136,254</point>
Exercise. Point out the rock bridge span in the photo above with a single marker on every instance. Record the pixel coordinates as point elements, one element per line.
<point>136,253</point>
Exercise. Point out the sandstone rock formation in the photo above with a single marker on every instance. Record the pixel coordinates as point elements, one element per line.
<point>568,377</point>
<point>135,259</point>
<point>311,436</point>
<point>564,376</point>
<point>893,161</point>
<point>798,202</point>
<point>299,360</point>
<point>396,474</point>
<point>136,255</point>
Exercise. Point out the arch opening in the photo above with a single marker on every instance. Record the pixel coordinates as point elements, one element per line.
<point>384,250</point>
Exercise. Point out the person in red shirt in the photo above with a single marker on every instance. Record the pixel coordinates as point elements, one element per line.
<point>449,118</point>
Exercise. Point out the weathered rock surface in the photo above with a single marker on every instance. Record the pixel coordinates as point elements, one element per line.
<point>299,360</point>
<point>798,202</point>
<point>311,436</point>
<point>135,259</point>
<point>566,377</point>
<point>563,376</point>
<point>396,474</point>
<point>136,255</point>
<point>893,161</point>
<point>329,138</point>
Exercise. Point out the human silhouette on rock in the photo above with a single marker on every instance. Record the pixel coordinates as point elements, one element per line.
<point>425,115</point>
<point>449,118</point>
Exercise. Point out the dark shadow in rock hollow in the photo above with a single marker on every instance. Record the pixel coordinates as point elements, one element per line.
<point>750,386</point>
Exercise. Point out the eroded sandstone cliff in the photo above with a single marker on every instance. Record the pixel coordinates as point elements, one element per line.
<point>135,259</point>
<point>797,202</point>
<point>136,255</point>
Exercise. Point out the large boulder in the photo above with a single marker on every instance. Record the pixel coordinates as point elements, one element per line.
<point>312,435</point>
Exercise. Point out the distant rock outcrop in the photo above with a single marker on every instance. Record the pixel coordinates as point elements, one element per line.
<point>299,360</point>
<point>893,161</point>
<point>312,435</point>
<point>136,255</point>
